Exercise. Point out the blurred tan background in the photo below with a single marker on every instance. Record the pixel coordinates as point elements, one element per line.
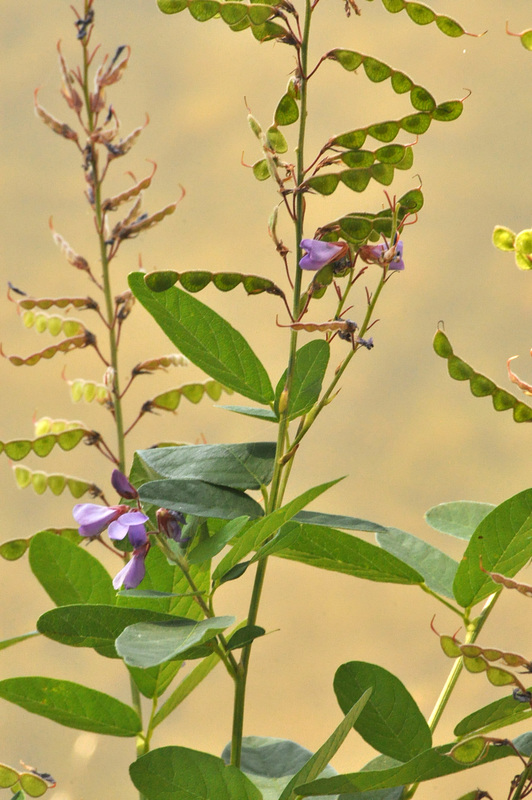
<point>407,435</point>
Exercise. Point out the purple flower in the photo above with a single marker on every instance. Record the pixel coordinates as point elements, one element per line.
<point>389,257</point>
<point>123,486</point>
<point>320,253</point>
<point>130,524</point>
<point>94,519</point>
<point>134,571</point>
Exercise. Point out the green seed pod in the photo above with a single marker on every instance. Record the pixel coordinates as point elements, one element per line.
<point>503,238</point>
<point>470,751</point>
<point>255,127</point>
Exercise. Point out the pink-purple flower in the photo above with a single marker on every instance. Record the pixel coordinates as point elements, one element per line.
<point>320,253</point>
<point>134,571</point>
<point>93,519</point>
<point>131,524</point>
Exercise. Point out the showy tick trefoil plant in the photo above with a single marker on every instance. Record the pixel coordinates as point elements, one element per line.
<point>186,519</point>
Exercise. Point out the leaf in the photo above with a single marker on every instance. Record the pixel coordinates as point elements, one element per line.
<point>187,685</point>
<point>16,639</point>
<point>437,568</point>
<point>239,466</point>
<point>434,763</point>
<point>178,773</point>
<point>271,763</point>
<point>211,547</point>
<point>200,499</point>
<point>390,721</point>
<point>338,521</point>
<point>159,573</point>
<point>257,413</point>
<point>68,573</point>
<point>327,548</point>
<point>503,541</point>
<point>206,339</point>
<point>265,527</point>
<point>318,763</point>
<point>499,714</point>
<point>147,644</point>
<point>43,445</point>
<point>460,518</point>
<point>94,625</point>
<point>310,366</point>
<point>72,705</point>
<point>479,384</point>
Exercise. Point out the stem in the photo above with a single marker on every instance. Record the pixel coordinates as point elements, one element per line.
<point>278,485</point>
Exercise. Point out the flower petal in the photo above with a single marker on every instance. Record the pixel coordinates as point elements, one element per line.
<point>94,519</point>
<point>319,253</point>
<point>132,574</point>
<point>123,486</point>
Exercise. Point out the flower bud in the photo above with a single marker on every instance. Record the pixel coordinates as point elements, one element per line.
<point>123,486</point>
<point>171,523</point>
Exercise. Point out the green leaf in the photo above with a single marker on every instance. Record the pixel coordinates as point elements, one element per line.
<point>212,546</point>
<point>338,521</point>
<point>265,527</point>
<point>187,685</point>
<point>206,339</point>
<point>503,540</point>
<point>287,111</point>
<point>257,413</point>
<point>310,366</point>
<point>271,763</point>
<point>72,705</point>
<point>318,763</point>
<point>16,639</point>
<point>391,721</point>
<point>199,498</point>
<point>239,466</point>
<point>178,773</point>
<point>93,625</point>
<point>434,763</point>
<point>68,573</point>
<point>437,568</point>
<point>327,548</point>
<point>147,644</point>
<point>499,714</point>
<point>154,681</point>
<point>460,518</point>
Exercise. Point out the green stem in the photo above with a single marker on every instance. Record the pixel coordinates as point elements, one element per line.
<point>278,485</point>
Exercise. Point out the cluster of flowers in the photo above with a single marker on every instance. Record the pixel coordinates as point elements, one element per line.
<point>319,253</point>
<point>123,520</point>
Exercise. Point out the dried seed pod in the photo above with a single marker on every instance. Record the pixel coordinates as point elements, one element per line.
<point>125,145</point>
<point>163,362</point>
<point>71,256</point>
<point>112,203</point>
<point>145,221</point>
<point>61,128</point>
<point>71,96</point>
<point>65,346</point>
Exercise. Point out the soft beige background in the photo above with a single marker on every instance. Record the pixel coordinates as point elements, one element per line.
<point>407,436</point>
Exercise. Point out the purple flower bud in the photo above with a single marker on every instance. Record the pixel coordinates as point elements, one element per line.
<point>123,486</point>
<point>134,571</point>
<point>93,519</point>
<point>171,523</point>
<point>320,253</point>
<point>130,524</point>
